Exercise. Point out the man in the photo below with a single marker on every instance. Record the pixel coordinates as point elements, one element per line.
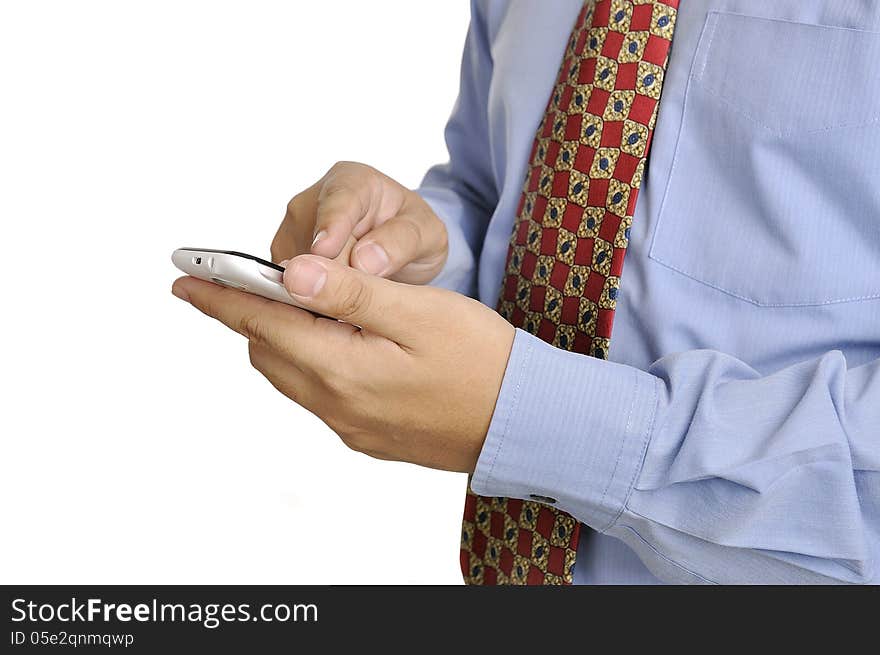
<point>729,432</point>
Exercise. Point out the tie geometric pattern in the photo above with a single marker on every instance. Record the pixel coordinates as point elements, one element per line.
<point>568,245</point>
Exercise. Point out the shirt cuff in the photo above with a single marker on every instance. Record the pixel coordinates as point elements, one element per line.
<point>459,270</point>
<point>568,430</point>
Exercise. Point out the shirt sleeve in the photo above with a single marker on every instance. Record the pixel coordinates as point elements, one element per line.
<point>708,470</point>
<point>462,192</point>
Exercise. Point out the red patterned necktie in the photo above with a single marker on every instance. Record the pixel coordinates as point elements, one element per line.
<point>568,245</point>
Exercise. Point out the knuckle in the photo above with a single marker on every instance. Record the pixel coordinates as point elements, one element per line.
<point>345,166</point>
<point>347,441</point>
<point>354,299</point>
<point>444,238</point>
<point>354,439</point>
<point>432,228</point>
<point>337,196</point>
<point>345,176</point>
<point>251,326</point>
<point>338,172</point>
<point>335,189</point>
<point>338,167</point>
<point>438,228</point>
<point>411,234</point>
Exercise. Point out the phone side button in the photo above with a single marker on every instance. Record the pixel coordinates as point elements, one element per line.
<point>229,283</point>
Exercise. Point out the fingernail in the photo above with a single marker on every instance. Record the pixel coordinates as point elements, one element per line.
<point>372,258</point>
<point>283,263</point>
<point>320,235</point>
<point>179,292</point>
<point>305,278</point>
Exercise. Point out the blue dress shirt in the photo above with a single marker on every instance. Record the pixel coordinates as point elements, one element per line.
<point>734,435</point>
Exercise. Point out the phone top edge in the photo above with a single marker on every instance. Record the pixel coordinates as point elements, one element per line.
<point>236,253</point>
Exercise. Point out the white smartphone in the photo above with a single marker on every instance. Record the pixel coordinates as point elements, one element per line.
<point>236,270</point>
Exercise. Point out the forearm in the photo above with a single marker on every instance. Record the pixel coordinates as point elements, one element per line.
<point>707,469</point>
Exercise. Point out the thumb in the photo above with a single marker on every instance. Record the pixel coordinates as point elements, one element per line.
<point>327,287</point>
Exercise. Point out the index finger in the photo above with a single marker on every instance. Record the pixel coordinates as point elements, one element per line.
<point>353,198</point>
<point>294,332</point>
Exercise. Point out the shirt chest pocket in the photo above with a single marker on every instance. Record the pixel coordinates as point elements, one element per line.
<point>774,195</point>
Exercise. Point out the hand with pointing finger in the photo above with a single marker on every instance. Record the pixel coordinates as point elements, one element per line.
<point>417,383</point>
<point>359,216</point>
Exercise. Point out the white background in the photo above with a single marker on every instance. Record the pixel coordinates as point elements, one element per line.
<point>138,446</point>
